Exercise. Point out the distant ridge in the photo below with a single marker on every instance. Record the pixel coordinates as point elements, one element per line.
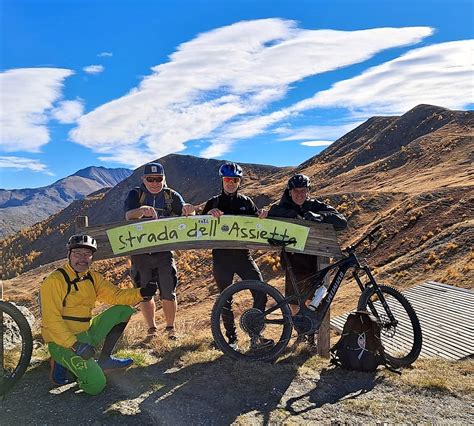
<point>20,208</point>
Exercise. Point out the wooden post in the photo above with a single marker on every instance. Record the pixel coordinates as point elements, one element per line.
<point>324,333</point>
<point>81,222</point>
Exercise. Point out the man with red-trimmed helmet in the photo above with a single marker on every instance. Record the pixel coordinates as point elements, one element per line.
<point>68,296</point>
<point>296,203</point>
<point>227,262</point>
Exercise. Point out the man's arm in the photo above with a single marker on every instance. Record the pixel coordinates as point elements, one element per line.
<point>133,210</point>
<point>113,295</point>
<point>329,215</point>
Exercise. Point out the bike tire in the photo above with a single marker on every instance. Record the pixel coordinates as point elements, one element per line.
<point>241,297</point>
<point>13,370</point>
<point>402,349</point>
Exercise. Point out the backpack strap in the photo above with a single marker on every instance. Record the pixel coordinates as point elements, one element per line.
<point>74,282</point>
<point>168,201</point>
<point>166,194</point>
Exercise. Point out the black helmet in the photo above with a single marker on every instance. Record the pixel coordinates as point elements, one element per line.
<point>231,170</point>
<point>81,241</point>
<point>299,181</point>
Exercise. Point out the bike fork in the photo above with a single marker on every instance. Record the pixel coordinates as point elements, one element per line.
<point>373,283</point>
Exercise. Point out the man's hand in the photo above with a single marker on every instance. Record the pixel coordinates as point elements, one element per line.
<point>84,350</point>
<point>148,212</point>
<point>262,213</point>
<point>188,210</point>
<point>149,291</point>
<point>313,217</point>
<point>216,212</point>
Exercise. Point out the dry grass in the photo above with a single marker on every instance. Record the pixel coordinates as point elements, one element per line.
<point>438,375</point>
<point>388,407</point>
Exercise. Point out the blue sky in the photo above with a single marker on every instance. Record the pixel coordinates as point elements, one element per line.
<point>118,83</point>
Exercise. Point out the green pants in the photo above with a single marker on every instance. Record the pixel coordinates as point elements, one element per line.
<point>90,377</point>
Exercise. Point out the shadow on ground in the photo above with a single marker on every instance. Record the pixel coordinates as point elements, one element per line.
<point>211,392</point>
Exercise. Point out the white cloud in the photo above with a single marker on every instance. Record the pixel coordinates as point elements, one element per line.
<point>93,69</point>
<point>21,163</point>
<point>26,97</point>
<point>317,143</point>
<point>105,54</point>
<point>440,74</point>
<point>68,111</point>
<point>317,132</point>
<point>216,82</point>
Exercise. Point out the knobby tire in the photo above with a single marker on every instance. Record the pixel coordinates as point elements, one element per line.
<point>238,291</point>
<point>11,375</point>
<point>390,339</point>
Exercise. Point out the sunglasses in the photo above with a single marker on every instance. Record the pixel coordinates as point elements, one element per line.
<point>154,179</point>
<point>231,179</point>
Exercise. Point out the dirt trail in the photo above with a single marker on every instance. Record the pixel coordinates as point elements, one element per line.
<point>223,392</point>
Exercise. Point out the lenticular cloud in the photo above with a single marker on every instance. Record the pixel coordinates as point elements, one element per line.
<point>222,75</point>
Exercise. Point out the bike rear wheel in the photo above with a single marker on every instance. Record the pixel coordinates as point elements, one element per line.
<point>260,336</point>
<point>402,342</point>
<point>16,346</point>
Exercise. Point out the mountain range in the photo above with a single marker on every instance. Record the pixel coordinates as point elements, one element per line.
<point>20,208</point>
<point>413,174</point>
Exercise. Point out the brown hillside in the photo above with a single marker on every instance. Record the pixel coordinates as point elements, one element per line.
<point>195,178</point>
<point>411,173</point>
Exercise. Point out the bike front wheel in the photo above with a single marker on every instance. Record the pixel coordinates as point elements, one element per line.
<point>401,340</point>
<point>245,328</point>
<point>16,346</point>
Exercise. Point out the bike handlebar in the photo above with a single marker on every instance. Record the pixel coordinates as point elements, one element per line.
<point>281,243</point>
<point>369,236</point>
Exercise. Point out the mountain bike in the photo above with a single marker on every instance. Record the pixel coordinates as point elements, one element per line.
<point>262,336</point>
<point>16,345</point>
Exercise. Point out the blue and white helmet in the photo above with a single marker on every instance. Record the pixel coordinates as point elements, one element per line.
<point>231,170</point>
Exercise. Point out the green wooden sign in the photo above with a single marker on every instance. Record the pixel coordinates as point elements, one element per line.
<point>124,239</point>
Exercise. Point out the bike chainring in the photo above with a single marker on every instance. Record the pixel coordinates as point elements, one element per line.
<point>252,321</point>
<point>302,323</point>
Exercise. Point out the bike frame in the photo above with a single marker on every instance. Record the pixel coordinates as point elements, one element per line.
<point>343,265</point>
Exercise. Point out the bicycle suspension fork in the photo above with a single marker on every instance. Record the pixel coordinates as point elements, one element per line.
<point>379,293</point>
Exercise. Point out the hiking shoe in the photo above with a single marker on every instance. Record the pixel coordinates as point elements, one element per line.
<point>260,343</point>
<point>151,332</point>
<point>171,332</point>
<point>58,374</point>
<point>111,363</point>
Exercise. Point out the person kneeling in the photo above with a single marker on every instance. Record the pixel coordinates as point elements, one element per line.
<point>68,296</point>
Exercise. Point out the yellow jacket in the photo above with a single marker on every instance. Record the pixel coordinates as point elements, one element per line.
<point>78,303</point>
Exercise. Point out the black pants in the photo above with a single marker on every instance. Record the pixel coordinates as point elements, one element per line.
<point>304,268</point>
<point>226,263</point>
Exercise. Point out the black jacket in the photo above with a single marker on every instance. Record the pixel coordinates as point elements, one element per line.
<point>287,208</point>
<point>304,265</point>
<point>236,204</point>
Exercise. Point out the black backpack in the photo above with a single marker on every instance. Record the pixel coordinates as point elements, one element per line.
<point>359,347</point>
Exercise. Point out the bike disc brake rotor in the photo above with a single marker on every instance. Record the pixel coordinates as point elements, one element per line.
<point>386,328</point>
<point>252,321</point>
